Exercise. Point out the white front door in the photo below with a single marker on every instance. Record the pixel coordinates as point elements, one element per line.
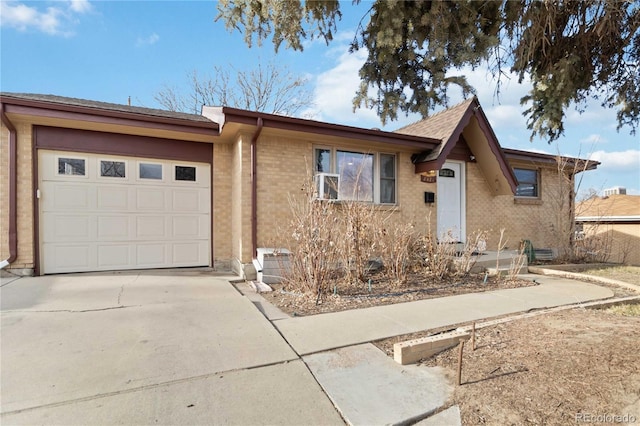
<point>451,202</point>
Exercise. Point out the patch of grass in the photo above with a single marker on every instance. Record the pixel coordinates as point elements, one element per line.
<point>628,310</point>
<point>603,272</point>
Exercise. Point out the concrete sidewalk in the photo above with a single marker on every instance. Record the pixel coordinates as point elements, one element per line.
<point>317,333</point>
<point>147,348</point>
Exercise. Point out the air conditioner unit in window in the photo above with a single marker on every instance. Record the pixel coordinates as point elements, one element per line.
<point>327,186</point>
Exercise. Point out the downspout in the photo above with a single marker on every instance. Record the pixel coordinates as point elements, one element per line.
<point>254,190</point>
<point>13,215</point>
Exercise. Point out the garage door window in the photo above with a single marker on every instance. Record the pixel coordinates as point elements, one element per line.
<point>71,166</point>
<point>150,171</point>
<point>186,173</point>
<point>115,169</point>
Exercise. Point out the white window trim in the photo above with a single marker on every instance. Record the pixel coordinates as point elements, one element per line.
<point>127,174</point>
<point>72,157</point>
<point>149,180</point>
<point>184,182</point>
<point>376,168</point>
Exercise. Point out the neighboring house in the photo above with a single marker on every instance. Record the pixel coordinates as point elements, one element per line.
<point>89,186</point>
<point>612,225</point>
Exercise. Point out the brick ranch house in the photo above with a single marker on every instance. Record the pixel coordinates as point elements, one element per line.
<point>612,222</point>
<point>93,186</point>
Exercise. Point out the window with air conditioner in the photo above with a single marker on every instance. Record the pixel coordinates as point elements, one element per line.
<point>355,176</point>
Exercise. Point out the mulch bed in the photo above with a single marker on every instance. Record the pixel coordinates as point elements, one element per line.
<point>382,291</point>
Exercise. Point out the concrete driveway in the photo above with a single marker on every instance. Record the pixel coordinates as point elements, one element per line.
<point>147,348</point>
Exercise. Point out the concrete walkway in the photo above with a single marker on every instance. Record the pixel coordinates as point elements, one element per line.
<point>148,348</point>
<point>318,333</point>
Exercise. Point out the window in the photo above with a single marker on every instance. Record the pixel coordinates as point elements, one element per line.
<point>150,171</point>
<point>71,166</point>
<point>186,173</point>
<point>112,169</point>
<point>528,185</point>
<point>362,176</point>
<point>387,178</point>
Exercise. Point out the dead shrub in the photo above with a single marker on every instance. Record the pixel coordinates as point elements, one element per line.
<point>399,244</point>
<point>314,234</point>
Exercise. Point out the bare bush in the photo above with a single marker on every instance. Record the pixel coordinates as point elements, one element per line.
<point>360,227</point>
<point>517,263</point>
<point>315,235</point>
<point>475,244</point>
<point>398,246</point>
<point>437,253</point>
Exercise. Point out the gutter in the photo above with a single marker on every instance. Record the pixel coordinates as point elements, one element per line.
<point>13,215</point>
<point>254,189</point>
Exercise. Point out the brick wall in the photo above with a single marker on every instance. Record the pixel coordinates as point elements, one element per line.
<point>537,220</point>
<point>284,164</point>
<point>25,191</point>
<point>221,220</point>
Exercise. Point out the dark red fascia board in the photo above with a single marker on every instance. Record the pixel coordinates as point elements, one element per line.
<point>516,154</point>
<point>240,116</point>
<point>40,108</point>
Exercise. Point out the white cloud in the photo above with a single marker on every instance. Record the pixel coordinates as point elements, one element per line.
<point>52,20</point>
<point>147,41</point>
<point>621,161</point>
<point>80,6</point>
<point>593,139</point>
<point>335,90</point>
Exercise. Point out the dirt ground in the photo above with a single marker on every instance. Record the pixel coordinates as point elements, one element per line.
<point>568,367</point>
<point>553,369</point>
<point>381,292</point>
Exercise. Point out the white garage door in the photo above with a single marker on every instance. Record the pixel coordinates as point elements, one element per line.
<point>101,213</point>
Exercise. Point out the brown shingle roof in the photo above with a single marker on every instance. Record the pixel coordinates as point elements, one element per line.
<point>439,126</point>
<point>613,205</point>
<point>63,100</point>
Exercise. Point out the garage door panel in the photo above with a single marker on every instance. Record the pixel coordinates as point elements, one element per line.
<point>70,196</point>
<point>150,227</point>
<point>114,256</point>
<point>69,257</point>
<point>185,227</point>
<point>67,228</point>
<point>113,227</point>
<point>151,255</point>
<point>188,253</point>
<point>113,198</point>
<point>94,222</point>
<point>151,199</point>
<point>186,200</point>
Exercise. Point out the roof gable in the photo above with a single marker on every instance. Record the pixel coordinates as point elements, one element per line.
<point>448,126</point>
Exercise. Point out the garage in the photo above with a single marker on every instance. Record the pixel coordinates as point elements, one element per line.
<point>101,212</point>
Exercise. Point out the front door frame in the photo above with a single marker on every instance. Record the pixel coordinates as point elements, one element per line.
<point>463,204</point>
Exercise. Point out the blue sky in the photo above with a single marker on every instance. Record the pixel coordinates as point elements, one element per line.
<point>110,50</point>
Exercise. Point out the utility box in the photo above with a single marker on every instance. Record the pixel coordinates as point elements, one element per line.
<point>272,264</point>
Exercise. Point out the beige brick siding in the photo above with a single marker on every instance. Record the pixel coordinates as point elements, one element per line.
<point>285,163</point>
<point>221,215</point>
<point>620,241</point>
<point>26,257</point>
<point>538,220</point>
